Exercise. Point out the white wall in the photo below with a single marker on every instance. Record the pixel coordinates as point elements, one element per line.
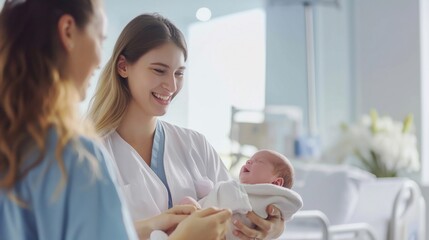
<point>387,57</point>
<point>388,63</point>
<point>424,45</point>
<point>424,71</point>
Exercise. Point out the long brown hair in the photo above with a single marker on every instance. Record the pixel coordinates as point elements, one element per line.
<point>142,34</point>
<point>34,96</point>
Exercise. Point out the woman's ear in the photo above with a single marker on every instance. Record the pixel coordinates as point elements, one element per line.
<point>66,30</point>
<point>278,181</point>
<point>122,66</point>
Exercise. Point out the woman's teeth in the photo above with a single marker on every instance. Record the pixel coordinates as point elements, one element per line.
<point>165,98</point>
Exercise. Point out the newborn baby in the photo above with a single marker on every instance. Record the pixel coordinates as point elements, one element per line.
<point>266,178</point>
<point>267,166</point>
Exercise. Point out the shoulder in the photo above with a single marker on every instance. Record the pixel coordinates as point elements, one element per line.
<point>81,159</point>
<point>81,155</point>
<point>75,146</point>
<point>184,138</point>
<point>93,146</point>
<point>88,187</point>
<point>84,154</point>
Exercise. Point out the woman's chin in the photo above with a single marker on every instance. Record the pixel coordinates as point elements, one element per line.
<point>161,112</point>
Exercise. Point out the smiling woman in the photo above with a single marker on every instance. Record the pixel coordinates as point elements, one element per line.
<point>49,163</point>
<point>158,163</point>
<point>165,66</point>
<point>136,86</point>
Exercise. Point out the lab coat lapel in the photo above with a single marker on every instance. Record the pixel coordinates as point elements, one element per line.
<point>145,192</point>
<point>178,167</point>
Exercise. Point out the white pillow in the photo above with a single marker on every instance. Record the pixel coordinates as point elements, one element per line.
<point>332,189</point>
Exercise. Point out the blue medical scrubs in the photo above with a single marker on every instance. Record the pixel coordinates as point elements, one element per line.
<point>86,207</point>
<point>157,160</point>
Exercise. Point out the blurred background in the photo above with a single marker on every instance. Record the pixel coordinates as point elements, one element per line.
<point>254,55</point>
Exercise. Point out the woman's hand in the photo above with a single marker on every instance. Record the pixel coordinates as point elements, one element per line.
<point>210,224</point>
<point>166,221</point>
<point>190,201</point>
<point>269,228</point>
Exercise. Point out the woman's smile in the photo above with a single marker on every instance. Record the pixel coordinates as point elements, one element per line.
<point>162,99</point>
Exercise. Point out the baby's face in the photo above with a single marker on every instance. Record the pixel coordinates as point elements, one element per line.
<point>258,169</point>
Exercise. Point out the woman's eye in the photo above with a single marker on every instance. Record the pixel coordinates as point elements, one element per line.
<point>158,70</point>
<point>180,74</point>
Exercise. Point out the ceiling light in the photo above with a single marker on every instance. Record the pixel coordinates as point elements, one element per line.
<point>203,14</point>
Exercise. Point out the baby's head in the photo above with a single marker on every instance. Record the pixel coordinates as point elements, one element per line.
<point>266,166</point>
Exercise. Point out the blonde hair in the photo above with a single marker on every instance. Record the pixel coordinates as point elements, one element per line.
<point>34,97</point>
<point>142,34</point>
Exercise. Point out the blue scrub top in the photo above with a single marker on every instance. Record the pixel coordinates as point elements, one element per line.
<point>86,207</point>
<point>157,160</point>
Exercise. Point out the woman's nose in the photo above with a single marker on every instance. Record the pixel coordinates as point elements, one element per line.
<point>170,84</point>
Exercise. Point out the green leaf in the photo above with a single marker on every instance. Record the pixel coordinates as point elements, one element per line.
<point>366,162</point>
<point>380,169</point>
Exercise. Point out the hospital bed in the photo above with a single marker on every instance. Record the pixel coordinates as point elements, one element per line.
<point>342,202</point>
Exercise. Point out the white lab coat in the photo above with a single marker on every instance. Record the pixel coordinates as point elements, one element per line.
<point>188,160</point>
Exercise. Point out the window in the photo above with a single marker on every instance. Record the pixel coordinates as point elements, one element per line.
<point>226,68</point>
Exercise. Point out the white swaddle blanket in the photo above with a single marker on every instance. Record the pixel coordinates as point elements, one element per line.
<point>242,198</point>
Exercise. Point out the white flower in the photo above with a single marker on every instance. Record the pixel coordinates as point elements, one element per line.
<point>392,143</point>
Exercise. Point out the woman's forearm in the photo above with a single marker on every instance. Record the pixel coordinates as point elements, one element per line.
<point>143,229</point>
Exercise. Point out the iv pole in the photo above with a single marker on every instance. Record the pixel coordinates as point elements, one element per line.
<point>312,125</point>
<point>311,64</point>
<point>311,70</point>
